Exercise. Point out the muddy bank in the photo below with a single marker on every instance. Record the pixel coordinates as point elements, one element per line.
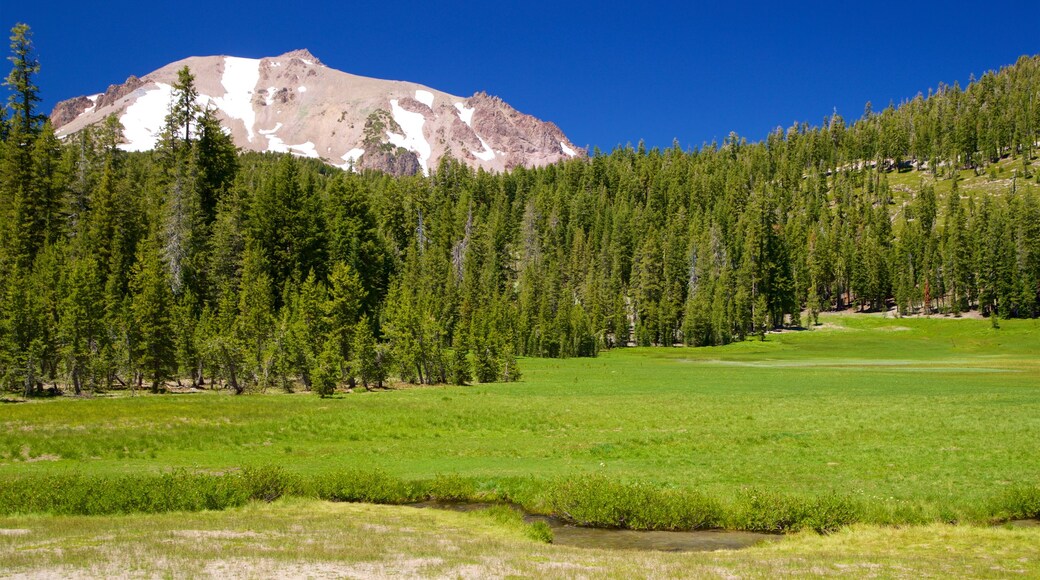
<point>567,534</point>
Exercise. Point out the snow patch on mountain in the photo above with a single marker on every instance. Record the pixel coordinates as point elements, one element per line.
<point>567,149</point>
<point>413,139</point>
<point>301,89</point>
<point>271,131</point>
<point>144,118</point>
<point>239,80</point>
<point>465,113</point>
<point>275,144</point>
<point>269,98</point>
<point>487,154</point>
<point>305,150</point>
<point>424,97</point>
<point>350,158</point>
<point>93,99</point>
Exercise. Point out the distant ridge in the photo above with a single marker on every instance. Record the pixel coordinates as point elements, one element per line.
<point>295,104</point>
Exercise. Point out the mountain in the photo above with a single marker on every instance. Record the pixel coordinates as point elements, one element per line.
<point>293,103</point>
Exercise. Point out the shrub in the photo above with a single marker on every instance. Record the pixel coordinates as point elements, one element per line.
<point>366,486</point>
<point>510,517</point>
<point>1017,503</point>
<point>764,511</point>
<point>451,488</point>
<point>601,502</point>
<point>268,483</point>
<point>70,494</point>
<point>540,532</point>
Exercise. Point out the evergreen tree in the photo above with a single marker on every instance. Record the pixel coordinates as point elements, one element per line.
<point>326,371</point>
<point>24,92</point>
<point>255,322</point>
<point>460,373</point>
<point>365,354</point>
<point>154,353</point>
<point>81,328</point>
<point>343,308</point>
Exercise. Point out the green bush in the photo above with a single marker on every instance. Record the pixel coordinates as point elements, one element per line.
<point>540,532</point>
<point>1017,503</point>
<point>367,486</point>
<point>70,494</point>
<point>451,488</point>
<point>601,502</point>
<point>764,511</point>
<point>512,517</point>
<point>268,483</point>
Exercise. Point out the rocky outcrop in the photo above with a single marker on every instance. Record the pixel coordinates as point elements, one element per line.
<point>523,138</point>
<point>399,161</point>
<point>66,111</point>
<point>116,92</point>
<point>293,103</point>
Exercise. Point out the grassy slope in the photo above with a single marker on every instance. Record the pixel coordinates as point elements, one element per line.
<point>920,419</point>
<point>316,539</point>
<point>996,180</point>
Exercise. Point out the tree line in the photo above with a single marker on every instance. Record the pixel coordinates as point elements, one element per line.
<point>199,264</point>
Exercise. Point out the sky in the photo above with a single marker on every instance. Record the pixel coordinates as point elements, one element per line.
<point>607,73</point>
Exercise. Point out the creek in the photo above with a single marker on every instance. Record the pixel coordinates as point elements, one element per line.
<point>568,534</point>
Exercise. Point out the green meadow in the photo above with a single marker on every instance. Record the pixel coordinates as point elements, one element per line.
<point>853,429</point>
<point>902,420</point>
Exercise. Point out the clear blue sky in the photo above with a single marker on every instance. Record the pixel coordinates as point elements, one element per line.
<point>607,73</point>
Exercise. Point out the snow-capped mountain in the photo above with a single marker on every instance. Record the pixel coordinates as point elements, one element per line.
<point>293,103</point>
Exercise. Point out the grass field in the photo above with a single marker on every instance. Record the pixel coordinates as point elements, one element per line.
<point>303,538</point>
<point>896,420</point>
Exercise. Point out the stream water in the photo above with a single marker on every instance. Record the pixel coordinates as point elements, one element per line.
<point>566,534</point>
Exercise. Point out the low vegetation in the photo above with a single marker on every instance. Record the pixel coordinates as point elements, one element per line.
<point>305,538</point>
<point>864,419</point>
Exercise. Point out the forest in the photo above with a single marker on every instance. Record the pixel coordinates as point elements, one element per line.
<point>196,264</point>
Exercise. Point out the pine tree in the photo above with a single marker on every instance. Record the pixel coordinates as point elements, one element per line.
<point>81,327</point>
<point>185,321</point>
<point>184,113</point>
<point>488,366</point>
<point>151,305</point>
<point>24,92</point>
<point>26,200</point>
<point>326,371</point>
<point>510,369</point>
<point>460,373</point>
<point>365,354</point>
<point>343,307</point>
<point>255,322</point>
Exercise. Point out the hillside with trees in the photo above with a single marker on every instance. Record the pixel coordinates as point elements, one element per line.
<point>197,264</point>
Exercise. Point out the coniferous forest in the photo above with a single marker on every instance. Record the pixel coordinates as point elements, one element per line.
<point>197,264</point>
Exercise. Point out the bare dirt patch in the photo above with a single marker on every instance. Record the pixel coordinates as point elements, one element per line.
<point>216,534</point>
<point>830,326</point>
<point>262,567</point>
<point>14,532</point>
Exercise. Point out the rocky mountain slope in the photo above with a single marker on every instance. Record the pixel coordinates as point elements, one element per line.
<point>293,103</point>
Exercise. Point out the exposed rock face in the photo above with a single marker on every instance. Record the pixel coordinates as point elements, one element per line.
<point>116,92</point>
<point>293,103</point>
<point>66,111</point>
<point>398,162</point>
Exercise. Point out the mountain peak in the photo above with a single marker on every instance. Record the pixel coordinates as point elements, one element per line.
<point>294,104</point>
<point>302,54</point>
